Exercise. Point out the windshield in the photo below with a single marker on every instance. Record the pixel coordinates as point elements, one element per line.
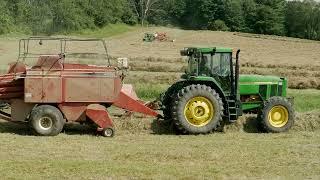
<point>217,64</point>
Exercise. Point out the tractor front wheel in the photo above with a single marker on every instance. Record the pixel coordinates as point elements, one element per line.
<point>46,120</point>
<point>277,115</point>
<point>197,109</point>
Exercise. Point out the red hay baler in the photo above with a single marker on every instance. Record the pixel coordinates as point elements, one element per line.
<point>52,91</point>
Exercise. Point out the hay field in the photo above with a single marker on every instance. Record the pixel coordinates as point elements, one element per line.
<point>297,59</point>
<point>146,149</point>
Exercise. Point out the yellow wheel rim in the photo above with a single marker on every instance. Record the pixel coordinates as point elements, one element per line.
<point>278,116</point>
<point>199,111</point>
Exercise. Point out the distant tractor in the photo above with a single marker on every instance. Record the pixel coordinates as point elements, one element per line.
<point>211,93</point>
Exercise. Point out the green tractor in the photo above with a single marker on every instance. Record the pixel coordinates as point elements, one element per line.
<point>212,93</point>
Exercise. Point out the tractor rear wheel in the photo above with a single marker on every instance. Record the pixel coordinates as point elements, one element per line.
<point>197,109</point>
<point>167,99</point>
<point>46,120</point>
<point>277,115</point>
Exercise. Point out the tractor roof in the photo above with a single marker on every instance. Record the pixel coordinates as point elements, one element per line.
<point>191,50</point>
<point>214,49</point>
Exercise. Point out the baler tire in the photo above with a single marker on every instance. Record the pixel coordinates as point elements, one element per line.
<point>42,116</point>
<point>108,132</point>
<point>183,98</point>
<point>286,110</point>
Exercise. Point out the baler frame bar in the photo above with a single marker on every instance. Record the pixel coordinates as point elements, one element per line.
<point>24,46</point>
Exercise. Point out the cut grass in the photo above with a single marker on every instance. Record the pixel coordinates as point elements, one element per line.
<point>106,31</point>
<point>230,155</point>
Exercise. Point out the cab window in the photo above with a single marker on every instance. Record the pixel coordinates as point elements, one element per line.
<point>217,64</point>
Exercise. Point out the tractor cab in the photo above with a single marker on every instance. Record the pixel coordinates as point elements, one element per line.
<point>208,61</point>
<point>214,64</point>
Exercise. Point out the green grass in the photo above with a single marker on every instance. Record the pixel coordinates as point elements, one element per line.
<point>305,100</point>
<point>150,91</point>
<point>106,31</point>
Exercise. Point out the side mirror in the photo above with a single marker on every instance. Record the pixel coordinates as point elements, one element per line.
<point>184,52</point>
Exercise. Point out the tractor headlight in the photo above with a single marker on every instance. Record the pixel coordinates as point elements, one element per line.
<point>123,63</point>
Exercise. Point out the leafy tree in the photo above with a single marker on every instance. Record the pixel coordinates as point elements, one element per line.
<point>70,15</point>
<point>218,25</point>
<point>270,17</point>
<point>143,8</point>
<point>6,20</point>
<point>302,19</point>
<point>168,12</point>
<point>107,11</point>
<point>201,13</point>
<point>249,8</point>
<point>292,18</point>
<point>234,15</point>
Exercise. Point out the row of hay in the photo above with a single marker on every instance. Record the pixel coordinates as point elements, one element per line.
<point>139,124</point>
<point>294,82</point>
<point>309,121</point>
<point>302,77</point>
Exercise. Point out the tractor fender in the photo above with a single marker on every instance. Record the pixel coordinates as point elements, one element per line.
<point>166,97</point>
<point>183,83</point>
<point>209,81</point>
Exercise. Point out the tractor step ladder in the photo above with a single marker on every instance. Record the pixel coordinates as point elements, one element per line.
<point>233,115</point>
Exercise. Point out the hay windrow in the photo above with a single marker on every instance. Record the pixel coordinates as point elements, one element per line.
<point>299,76</point>
<point>309,121</point>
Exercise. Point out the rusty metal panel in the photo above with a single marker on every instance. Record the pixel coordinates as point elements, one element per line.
<point>73,111</point>
<point>49,62</point>
<point>99,114</point>
<point>43,87</point>
<point>20,110</point>
<point>91,86</point>
<point>33,89</point>
<point>107,88</point>
<point>126,101</point>
<point>52,89</point>
<point>82,90</point>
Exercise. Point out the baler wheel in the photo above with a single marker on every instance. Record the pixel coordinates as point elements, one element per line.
<point>46,120</point>
<point>277,115</point>
<point>197,109</point>
<point>108,132</point>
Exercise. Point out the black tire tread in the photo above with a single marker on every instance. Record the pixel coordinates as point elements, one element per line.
<point>195,89</point>
<point>167,102</point>
<point>41,110</point>
<point>263,115</point>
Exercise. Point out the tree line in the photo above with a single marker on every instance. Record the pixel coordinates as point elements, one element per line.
<point>275,17</point>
